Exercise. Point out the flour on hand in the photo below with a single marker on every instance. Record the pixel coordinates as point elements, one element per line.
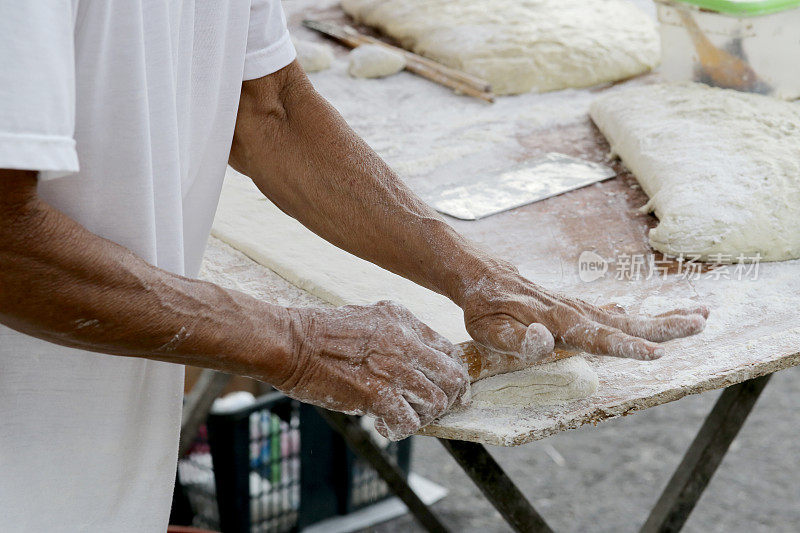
<point>721,167</point>
<point>522,45</point>
<point>375,61</point>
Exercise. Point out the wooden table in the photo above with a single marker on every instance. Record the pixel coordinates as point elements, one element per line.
<point>432,137</point>
<point>229,267</point>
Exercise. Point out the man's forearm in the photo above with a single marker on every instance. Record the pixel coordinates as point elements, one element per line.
<point>303,156</point>
<point>61,283</point>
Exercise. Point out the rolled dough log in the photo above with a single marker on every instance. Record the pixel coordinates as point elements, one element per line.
<point>522,45</point>
<point>256,227</point>
<point>568,379</point>
<point>374,61</point>
<point>721,167</point>
<point>312,56</point>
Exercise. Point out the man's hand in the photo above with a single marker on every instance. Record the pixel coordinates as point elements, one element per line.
<point>377,360</point>
<point>505,312</point>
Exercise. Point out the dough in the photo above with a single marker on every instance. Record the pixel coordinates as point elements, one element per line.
<point>312,56</point>
<point>721,167</point>
<point>256,227</point>
<point>564,380</point>
<point>375,61</point>
<point>522,45</point>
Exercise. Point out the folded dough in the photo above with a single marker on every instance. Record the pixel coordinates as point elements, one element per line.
<point>560,381</point>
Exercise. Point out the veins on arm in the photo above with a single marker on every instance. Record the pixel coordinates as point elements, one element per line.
<point>305,158</point>
<point>61,283</point>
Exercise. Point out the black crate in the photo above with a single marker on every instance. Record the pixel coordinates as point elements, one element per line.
<point>277,467</point>
<point>334,480</point>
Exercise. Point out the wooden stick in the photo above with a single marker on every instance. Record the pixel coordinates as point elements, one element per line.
<point>460,82</point>
<point>460,87</point>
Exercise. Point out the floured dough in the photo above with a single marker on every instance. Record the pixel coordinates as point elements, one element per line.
<point>721,167</point>
<point>312,56</point>
<point>375,61</point>
<point>564,380</point>
<point>522,45</point>
<point>255,226</point>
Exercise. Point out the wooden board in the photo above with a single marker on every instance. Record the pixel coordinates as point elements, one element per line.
<point>432,137</point>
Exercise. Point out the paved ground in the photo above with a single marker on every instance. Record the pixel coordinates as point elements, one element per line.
<point>605,479</point>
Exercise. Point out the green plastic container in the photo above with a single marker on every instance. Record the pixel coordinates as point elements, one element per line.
<point>748,45</point>
<point>744,8</point>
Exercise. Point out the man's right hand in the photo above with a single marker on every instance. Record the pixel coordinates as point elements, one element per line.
<point>377,360</point>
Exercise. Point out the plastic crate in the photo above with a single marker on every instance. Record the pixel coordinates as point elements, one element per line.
<point>334,480</point>
<point>276,466</point>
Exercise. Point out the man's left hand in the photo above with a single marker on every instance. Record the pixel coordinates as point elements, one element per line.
<point>507,313</point>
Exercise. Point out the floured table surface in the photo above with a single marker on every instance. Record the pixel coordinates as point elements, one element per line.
<point>433,137</point>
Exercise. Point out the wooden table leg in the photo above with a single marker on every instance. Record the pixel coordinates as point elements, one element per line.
<point>670,513</point>
<point>495,484</point>
<point>704,456</point>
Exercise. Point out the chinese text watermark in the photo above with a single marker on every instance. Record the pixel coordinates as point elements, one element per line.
<point>643,267</point>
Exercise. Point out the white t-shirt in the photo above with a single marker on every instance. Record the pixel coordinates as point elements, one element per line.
<point>142,95</point>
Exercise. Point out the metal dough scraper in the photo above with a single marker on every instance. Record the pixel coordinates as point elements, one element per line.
<point>531,181</point>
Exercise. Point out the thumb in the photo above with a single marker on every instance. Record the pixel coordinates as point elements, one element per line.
<point>508,336</point>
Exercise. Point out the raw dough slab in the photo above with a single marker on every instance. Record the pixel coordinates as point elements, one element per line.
<point>721,168</point>
<point>522,45</point>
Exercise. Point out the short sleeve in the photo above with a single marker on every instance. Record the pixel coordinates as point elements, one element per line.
<point>37,86</point>
<point>269,47</point>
